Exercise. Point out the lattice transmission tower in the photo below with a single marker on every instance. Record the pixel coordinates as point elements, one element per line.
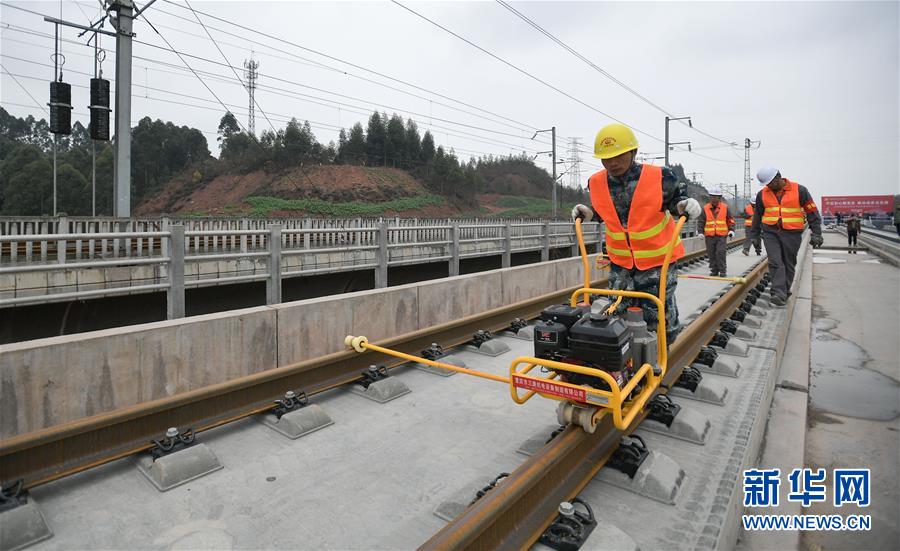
<point>251,73</point>
<point>575,167</point>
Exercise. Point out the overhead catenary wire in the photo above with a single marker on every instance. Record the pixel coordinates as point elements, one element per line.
<point>237,76</point>
<point>304,97</point>
<point>531,127</point>
<point>5,71</point>
<point>236,109</point>
<point>524,72</point>
<point>239,110</point>
<point>605,73</point>
<point>384,106</point>
<point>408,112</point>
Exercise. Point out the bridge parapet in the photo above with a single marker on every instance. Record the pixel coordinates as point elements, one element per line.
<point>109,257</point>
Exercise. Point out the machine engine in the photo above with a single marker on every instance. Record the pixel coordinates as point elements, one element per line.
<point>612,343</point>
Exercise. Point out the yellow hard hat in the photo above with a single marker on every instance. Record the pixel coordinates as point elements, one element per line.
<point>613,140</point>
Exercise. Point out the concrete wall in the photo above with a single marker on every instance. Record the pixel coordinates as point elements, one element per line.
<point>50,381</point>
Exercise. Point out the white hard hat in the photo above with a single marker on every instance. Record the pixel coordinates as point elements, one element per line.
<point>766,174</point>
<point>715,190</point>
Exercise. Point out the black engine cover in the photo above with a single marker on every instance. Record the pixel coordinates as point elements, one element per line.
<point>601,340</point>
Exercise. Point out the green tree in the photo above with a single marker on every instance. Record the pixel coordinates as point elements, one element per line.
<point>376,136</point>
<point>356,146</point>
<point>427,147</point>
<point>413,144</point>
<point>27,183</point>
<point>73,191</point>
<point>396,150</point>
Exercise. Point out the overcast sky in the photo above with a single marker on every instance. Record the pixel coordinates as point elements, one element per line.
<point>815,82</point>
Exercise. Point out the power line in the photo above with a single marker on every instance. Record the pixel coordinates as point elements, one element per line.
<point>523,71</point>
<point>252,77</point>
<point>294,83</point>
<point>302,97</point>
<point>600,70</point>
<point>286,118</point>
<point>235,109</point>
<point>354,65</point>
<point>24,89</point>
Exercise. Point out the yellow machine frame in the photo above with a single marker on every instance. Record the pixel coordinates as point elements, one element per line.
<point>614,401</point>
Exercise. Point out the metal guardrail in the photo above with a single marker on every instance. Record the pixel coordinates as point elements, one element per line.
<point>170,251</point>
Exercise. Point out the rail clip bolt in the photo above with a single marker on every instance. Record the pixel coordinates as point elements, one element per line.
<point>289,395</point>
<point>172,432</point>
<point>566,509</point>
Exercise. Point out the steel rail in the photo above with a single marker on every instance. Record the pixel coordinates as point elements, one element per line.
<point>52,453</point>
<point>515,513</point>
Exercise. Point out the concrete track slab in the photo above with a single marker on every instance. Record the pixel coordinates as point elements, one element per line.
<point>711,471</point>
<point>374,478</point>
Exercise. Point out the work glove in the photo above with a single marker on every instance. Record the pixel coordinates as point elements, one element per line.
<point>690,207</point>
<point>730,234</point>
<point>816,241</point>
<point>583,212</point>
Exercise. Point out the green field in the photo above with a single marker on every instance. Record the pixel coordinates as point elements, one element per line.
<point>525,207</point>
<point>265,206</point>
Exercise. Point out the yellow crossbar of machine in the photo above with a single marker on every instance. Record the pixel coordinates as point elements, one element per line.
<point>621,402</point>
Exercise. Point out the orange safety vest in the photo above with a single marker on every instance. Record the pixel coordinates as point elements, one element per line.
<point>787,212</point>
<point>716,224</point>
<point>644,242</point>
<point>748,210</point>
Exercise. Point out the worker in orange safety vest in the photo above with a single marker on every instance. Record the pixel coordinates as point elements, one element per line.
<point>638,204</point>
<point>783,211</point>
<point>717,225</point>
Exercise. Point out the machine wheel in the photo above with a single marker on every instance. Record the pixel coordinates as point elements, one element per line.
<point>569,413</point>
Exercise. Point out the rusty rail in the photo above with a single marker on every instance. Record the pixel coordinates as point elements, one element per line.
<point>514,514</point>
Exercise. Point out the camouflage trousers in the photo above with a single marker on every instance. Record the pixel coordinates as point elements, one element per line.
<point>647,281</point>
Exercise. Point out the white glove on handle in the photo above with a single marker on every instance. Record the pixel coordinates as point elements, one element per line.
<point>730,234</point>
<point>690,207</point>
<point>583,212</point>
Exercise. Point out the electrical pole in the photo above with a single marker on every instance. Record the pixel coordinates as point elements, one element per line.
<point>251,73</point>
<point>748,144</point>
<point>122,149</point>
<point>669,119</point>
<point>553,147</point>
<point>552,152</point>
<point>666,162</point>
<point>56,75</point>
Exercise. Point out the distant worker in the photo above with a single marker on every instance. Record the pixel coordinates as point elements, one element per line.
<point>779,217</point>
<point>897,213</point>
<point>839,218</point>
<point>853,229</point>
<point>718,227</point>
<point>647,198</point>
<point>748,223</point>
